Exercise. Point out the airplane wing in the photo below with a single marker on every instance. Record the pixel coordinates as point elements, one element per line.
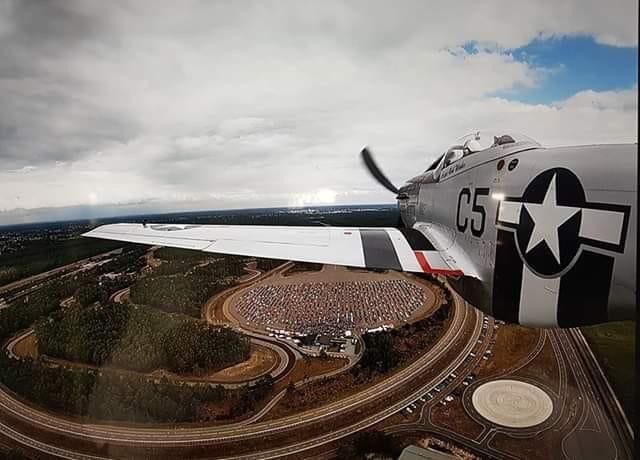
<point>379,248</point>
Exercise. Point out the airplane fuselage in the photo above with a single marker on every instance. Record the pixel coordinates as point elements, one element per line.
<point>549,232</point>
<point>543,237</point>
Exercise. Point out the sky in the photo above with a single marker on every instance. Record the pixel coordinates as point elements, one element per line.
<point>114,108</point>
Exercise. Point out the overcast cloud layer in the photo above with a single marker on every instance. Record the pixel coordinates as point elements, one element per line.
<point>204,105</point>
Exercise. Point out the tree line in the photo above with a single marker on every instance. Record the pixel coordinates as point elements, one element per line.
<point>186,291</point>
<point>387,350</point>
<point>41,255</point>
<point>21,313</point>
<point>268,264</point>
<point>139,338</point>
<point>181,255</point>
<point>384,352</point>
<point>107,394</point>
<point>369,444</point>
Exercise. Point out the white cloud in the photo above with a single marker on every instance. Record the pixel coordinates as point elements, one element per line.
<point>224,105</point>
<point>24,170</point>
<point>617,101</point>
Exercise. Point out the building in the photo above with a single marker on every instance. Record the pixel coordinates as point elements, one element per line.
<point>323,341</point>
<point>419,453</point>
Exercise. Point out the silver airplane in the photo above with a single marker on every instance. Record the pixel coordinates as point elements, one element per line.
<point>543,237</point>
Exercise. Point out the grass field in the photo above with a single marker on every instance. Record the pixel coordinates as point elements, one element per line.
<point>614,346</point>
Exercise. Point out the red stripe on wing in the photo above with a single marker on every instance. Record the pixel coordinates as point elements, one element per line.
<point>422,260</point>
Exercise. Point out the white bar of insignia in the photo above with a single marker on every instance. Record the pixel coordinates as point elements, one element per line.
<point>509,212</point>
<point>538,300</point>
<point>601,225</point>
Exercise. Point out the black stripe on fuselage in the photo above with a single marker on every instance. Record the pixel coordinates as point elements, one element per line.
<point>584,291</point>
<point>378,249</point>
<point>507,279</point>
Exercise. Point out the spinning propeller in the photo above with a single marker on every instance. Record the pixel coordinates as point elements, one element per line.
<point>371,165</point>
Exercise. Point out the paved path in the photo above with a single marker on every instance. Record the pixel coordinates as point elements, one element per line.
<point>337,410</point>
<point>54,271</point>
<point>193,436</point>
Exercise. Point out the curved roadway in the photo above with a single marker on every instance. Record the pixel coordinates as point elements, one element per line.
<point>194,436</point>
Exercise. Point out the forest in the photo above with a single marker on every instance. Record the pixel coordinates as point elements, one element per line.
<point>182,285</point>
<point>369,444</point>
<point>26,309</point>
<point>268,264</point>
<point>41,255</point>
<point>130,336</point>
<point>387,350</point>
<point>181,255</point>
<point>384,352</point>
<point>138,338</point>
<point>111,395</point>
<point>301,267</point>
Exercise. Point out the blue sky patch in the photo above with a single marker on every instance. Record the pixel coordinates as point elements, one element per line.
<point>573,64</point>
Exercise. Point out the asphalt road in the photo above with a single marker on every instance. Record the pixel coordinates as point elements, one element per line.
<point>44,276</point>
<point>343,409</point>
<point>587,418</point>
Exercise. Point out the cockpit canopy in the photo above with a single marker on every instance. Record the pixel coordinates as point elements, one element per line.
<point>482,140</point>
<point>479,141</point>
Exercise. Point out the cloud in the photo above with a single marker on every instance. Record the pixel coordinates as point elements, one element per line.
<point>23,170</point>
<point>217,104</point>
<point>617,101</point>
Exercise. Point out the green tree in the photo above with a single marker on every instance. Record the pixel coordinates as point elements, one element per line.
<point>87,294</point>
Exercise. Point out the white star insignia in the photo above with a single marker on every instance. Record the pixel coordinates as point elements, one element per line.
<point>548,217</point>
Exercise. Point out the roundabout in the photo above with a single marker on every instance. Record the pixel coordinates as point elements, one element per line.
<point>512,403</point>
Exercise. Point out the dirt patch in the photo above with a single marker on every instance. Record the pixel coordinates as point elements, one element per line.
<point>261,360</point>
<point>318,394</point>
<point>310,367</point>
<point>436,297</point>
<point>512,345</point>
<point>543,368</point>
<point>454,417</point>
<point>249,276</point>
<point>212,310</point>
<point>151,259</point>
<point>300,267</point>
<point>27,347</point>
<point>545,445</point>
